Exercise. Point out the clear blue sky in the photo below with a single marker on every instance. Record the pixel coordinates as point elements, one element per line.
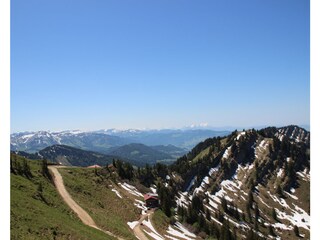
<point>158,64</point>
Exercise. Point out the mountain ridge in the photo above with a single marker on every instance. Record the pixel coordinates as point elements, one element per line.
<point>101,141</point>
<point>270,166</point>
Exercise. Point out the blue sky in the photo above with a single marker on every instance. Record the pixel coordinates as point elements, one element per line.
<point>158,64</point>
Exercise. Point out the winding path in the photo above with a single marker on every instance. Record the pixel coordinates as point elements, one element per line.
<point>137,229</point>
<point>82,214</point>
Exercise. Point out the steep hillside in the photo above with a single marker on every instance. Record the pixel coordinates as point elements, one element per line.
<point>99,192</point>
<point>254,182</point>
<point>36,209</point>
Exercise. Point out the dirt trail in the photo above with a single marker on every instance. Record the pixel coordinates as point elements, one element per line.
<point>82,214</point>
<point>137,229</point>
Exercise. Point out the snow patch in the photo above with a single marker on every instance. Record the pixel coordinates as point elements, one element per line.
<point>282,226</point>
<point>281,201</point>
<point>249,166</point>
<point>212,170</point>
<point>141,205</point>
<point>133,224</point>
<point>280,172</point>
<point>304,175</point>
<point>154,190</point>
<point>170,237</point>
<point>263,202</point>
<point>299,217</point>
<point>182,200</point>
<point>229,185</point>
<point>118,194</point>
<point>131,189</point>
<point>191,183</point>
<point>154,233</point>
<point>213,204</point>
<point>176,233</point>
<point>226,153</point>
<point>240,134</point>
<point>292,196</point>
<point>184,230</point>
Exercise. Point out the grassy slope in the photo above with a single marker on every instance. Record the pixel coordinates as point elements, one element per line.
<point>202,154</point>
<point>33,218</point>
<point>160,221</point>
<point>94,194</point>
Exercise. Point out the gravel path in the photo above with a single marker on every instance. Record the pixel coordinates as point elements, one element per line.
<point>82,214</point>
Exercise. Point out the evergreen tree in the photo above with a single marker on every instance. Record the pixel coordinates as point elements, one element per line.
<point>248,212</point>
<point>45,170</point>
<point>243,217</point>
<point>271,232</point>
<point>220,216</point>
<point>250,235</point>
<point>279,191</point>
<point>256,227</point>
<point>19,168</point>
<point>208,215</point>
<point>225,231</point>
<point>26,169</point>
<point>234,233</point>
<point>114,163</point>
<point>224,204</point>
<point>201,221</point>
<point>237,215</point>
<point>166,199</point>
<point>296,231</point>
<point>274,214</point>
<point>250,199</point>
<point>196,203</point>
<point>256,212</point>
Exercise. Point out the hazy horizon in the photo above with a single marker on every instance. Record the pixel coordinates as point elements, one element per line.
<point>190,127</point>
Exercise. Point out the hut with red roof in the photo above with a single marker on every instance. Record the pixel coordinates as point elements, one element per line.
<point>152,200</point>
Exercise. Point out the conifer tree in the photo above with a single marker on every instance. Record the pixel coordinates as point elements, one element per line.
<point>274,214</point>
<point>271,232</point>
<point>208,215</point>
<point>45,170</point>
<point>26,169</point>
<point>296,231</point>
<point>224,204</point>
<point>250,199</point>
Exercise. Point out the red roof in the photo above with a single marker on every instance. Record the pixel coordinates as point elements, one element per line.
<point>150,196</point>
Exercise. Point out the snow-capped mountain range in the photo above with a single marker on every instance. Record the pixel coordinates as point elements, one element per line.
<point>102,140</point>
